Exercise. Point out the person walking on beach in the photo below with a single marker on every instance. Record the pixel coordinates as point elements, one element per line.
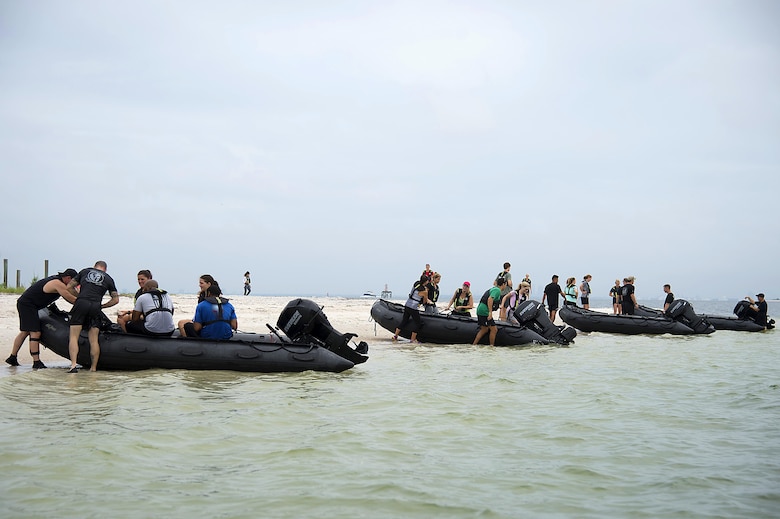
<point>627,298</point>
<point>551,293</point>
<point>669,296</point>
<point>418,296</point>
<point>614,293</point>
<point>247,284</point>
<point>487,305</point>
<point>462,299</point>
<point>153,312</point>
<point>585,291</point>
<point>88,308</point>
<point>41,294</point>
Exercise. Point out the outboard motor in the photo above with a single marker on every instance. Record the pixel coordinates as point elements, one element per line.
<point>533,315</point>
<point>741,310</point>
<point>681,311</point>
<point>303,320</point>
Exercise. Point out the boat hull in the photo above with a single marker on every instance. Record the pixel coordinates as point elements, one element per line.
<point>591,321</point>
<point>449,328</point>
<point>244,352</point>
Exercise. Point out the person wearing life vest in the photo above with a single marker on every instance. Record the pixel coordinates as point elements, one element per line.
<point>418,296</point>
<point>153,312</point>
<point>215,317</point>
<point>433,294</point>
<point>488,304</point>
<point>462,300</point>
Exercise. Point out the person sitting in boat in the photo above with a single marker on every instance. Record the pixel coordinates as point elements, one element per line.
<point>153,312</point>
<point>204,282</point>
<point>433,294</point>
<point>462,300</point>
<point>758,309</point>
<point>418,296</point>
<point>570,293</point>
<point>124,316</point>
<point>488,304</point>
<point>215,317</point>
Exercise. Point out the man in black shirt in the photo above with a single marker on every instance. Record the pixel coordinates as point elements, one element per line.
<point>88,308</point>
<point>758,309</point>
<point>551,292</point>
<point>41,294</point>
<point>669,296</point>
<point>628,298</point>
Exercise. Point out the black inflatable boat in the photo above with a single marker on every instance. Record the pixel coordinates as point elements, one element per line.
<point>309,342</point>
<point>534,327</point>
<point>680,320</point>
<point>740,321</point>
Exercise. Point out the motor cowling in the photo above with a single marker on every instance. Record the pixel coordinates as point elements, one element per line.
<point>303,320</point>
<point>533,315</point>
<point>741,310</point>
<point>682,311</point>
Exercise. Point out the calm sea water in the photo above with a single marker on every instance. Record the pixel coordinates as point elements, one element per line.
<point>613,426</point>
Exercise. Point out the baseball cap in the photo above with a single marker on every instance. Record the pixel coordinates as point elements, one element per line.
<point>467,283</point>
<point>759,295</point>
<point>68,273</point>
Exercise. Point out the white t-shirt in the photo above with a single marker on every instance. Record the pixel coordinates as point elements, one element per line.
<point>159,321</point>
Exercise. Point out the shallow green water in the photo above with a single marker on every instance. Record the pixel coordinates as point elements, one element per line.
<point>613,426</point>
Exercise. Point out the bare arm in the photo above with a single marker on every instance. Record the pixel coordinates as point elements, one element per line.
<point>136,316</point>
<point>111,302</point>
<point>234,324</point>
<point>55,285</point>
<point>72,288</point>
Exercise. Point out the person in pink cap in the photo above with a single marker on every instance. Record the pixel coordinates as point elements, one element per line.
<point>462,300</point>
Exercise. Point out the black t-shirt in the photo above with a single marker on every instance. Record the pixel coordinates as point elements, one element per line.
<point>35,296</point>
<point>669,298</point>
<point>552,290</point>
<point>94,284</point>
<point>628,303</point>
<point>763,308</point>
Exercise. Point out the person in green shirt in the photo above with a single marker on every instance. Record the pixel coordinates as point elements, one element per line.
<point>487,305</point>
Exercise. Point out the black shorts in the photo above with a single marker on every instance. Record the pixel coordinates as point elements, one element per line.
<point>585,300</point>
<point>552,306</point>
<point>139,328</point>
<point>28,318</point>
<point>86,313</point>
<point>485,320</point>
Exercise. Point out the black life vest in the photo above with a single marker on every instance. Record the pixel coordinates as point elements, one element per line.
<point>486,296</point>
<point>158,304</point>
<point>217,301</point>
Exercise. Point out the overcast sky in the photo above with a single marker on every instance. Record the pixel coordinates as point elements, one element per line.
<point>335,147</point>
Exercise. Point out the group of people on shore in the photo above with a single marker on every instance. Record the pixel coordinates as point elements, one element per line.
<point>152,313</point>
<point>502,296</point>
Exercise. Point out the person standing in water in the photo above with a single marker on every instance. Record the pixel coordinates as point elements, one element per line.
<point>669,296</point>
<point>41,294</point>
<point>87,310</point>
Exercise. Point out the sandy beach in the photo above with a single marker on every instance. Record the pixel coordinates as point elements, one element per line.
<point>254,312</point>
